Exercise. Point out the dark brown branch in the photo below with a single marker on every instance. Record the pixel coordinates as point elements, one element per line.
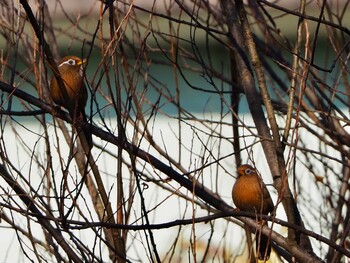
<point>32,207</point>
<point>201,191</point>
<point>304,16</point>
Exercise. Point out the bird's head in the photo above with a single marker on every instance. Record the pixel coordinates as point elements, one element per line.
<point>245,169</point>
<point>71,63</point>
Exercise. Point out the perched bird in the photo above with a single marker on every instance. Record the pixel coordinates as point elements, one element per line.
<point>249,194</point>
<point>74,97</point>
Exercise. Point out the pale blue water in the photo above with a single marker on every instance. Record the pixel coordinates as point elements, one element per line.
<point>196,89</point>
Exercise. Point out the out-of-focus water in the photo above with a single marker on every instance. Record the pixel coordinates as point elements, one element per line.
<point>159,84</point>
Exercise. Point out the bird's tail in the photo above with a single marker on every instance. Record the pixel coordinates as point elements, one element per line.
<point>82,126</point>
<point>263,246</point>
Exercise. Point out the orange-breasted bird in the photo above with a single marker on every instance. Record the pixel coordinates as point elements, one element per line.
<point>74,97</point>
<point>249,194</point>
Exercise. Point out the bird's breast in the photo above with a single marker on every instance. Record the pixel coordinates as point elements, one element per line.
<point>247,194</point>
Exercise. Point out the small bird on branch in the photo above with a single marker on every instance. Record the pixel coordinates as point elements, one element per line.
<point>250,194</point>
<point>74,95</point>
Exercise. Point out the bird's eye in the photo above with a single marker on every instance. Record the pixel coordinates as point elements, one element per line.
<point>248,171</point>
<point>71,62</point>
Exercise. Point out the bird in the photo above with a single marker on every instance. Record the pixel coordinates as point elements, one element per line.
<point>74,96</point>
<point>249,194</point>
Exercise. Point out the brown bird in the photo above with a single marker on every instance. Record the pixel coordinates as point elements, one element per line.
<point>74,97</point>
<point>249,194</point>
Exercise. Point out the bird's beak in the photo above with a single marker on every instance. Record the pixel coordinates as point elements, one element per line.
<point>81,62</point>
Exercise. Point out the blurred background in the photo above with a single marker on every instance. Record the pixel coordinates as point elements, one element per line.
<point>162,76</point>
